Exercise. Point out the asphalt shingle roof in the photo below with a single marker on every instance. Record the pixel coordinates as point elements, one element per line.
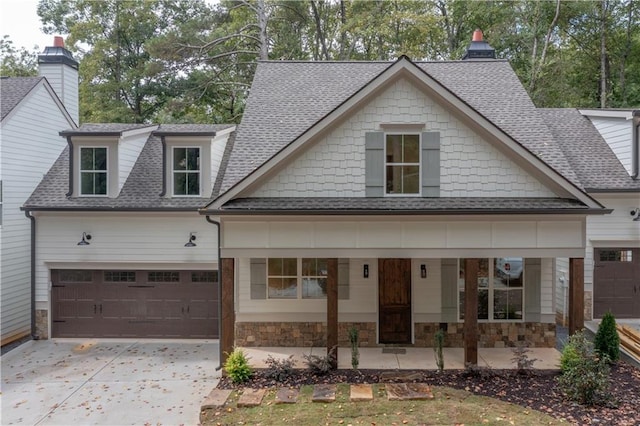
<point>13,90</point>
<point>141,190</point>
<point>444,205</point>
<point>590,156</point>
<point>289,97</point>
<point>104,128</point>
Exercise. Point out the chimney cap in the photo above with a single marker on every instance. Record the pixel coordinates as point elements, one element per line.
<point>479,49</point>
<point>58,41</point>
<point>477,35</point>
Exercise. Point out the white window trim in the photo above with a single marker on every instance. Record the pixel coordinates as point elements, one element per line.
<point>80,170</point>
<point>173,171</point>
<point>491,290</point>
<point>299,276</point>
<point>384,165</point>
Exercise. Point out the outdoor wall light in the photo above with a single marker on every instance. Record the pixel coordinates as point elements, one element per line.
<point>192,238</point>
<point>423,271</point>
<point>365,271</point>
<point>635,213</point>
<point>85,239</point>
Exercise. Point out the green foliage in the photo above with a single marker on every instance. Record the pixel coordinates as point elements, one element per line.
<point>585,374</point>
<point>237,366</point>
<point>607,341</point>
<point>279,369</point>
<point>321,365</point>
<point>521,359</point>
<point>438,344</point>
<point>355,353</point>
<point>16,62</point>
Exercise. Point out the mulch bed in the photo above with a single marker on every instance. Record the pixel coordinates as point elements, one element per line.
<point>538,390</point>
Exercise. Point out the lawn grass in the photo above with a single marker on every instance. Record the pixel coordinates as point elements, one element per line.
<point>450,406</point>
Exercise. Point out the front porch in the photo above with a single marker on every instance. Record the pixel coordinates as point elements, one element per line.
<point>410,358</point>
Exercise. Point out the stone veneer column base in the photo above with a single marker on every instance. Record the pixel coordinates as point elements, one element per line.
<point>42,324</point>
<point>308,334</point>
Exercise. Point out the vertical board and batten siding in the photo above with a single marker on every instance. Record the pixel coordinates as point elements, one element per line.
<point>335,165</point>
<point>532,293</point>
<point>426,292</point>
<point>64,80</point>
<point>561,280</point>
<point>129,149</point>
<point>28,151</point>
<point>617,132</point>
<point>123,241</point>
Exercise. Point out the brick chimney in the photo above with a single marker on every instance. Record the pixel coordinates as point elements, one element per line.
<point>479,49</point>
<point>61,71</point>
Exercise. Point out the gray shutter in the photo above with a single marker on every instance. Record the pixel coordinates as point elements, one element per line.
<point>374,164</point>
<point>343,278</point>
<point>532,293</point>
<point>258,278</point>
<point>449,294</point>
<point>430,164</point>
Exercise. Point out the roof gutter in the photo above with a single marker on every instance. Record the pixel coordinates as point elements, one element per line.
<point>220,350</point>
<point>635,146</point>
<point>70,143</point>
<point>459,212</point>
<point>34,334</point>
<point>164,166</point>
<point>109,209</point>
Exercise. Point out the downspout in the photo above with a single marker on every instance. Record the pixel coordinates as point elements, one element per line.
<point>164,166</point>
<point>70,193</point>
<point>27,213</point>
<point>220,354</point>
<point>635,146</point>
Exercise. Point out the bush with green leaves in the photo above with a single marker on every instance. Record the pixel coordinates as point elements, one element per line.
<point>585,373</point>
<point>607,341</point>
<point>279,369</point>
<point>237,366</point>
<point>438,344</point>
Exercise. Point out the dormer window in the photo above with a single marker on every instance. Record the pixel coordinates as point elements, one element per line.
<point>93,171</point>
<point>186,171</point>
<point>402,164</point>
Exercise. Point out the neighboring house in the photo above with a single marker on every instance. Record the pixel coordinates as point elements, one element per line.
<point>394,198</point>
<point>604,144</point>
<point>33,112</point>
<point>121,250</point>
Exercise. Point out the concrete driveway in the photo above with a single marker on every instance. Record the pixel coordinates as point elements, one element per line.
<point>107,381</point>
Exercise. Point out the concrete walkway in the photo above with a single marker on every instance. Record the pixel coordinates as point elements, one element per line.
<point>107,381</point>
<point>411,359</point>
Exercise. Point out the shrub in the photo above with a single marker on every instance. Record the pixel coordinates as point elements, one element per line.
<point>321,365</point>
<point>279,369</point>
<point>438,344</point>
<point>355,353</point>
<point>521,359</point>
<point>237,366</point>
<point>607,341</point>
<point>585,373</point>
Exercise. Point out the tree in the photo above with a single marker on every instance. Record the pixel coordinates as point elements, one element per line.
<point>16,62</point>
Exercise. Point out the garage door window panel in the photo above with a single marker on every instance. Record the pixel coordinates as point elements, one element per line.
<point>119,276</point>
<point>163,277</point>
<point>616,255</point>
<point>204,277</point>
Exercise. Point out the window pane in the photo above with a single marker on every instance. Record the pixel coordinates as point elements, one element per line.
<point>507,304</point>
<point>180,183</point>
<point>314,288</point>
<point>410,179</point>
<point>289,266</point>
<point>163,276</point>
<point>86,159</point>
<point>411,149</point>
<point>394,179</point>
<point>193,158</point>
<point>308,267</point>
<point>394,148</point>
<point>274,266</point>
<point>483,304</point>
<point>179,158</point>
<point>120,276</point>
<point>283,288</point>
<point>86,183</point>
<point>100,159</point>
<point>204,277</point>
<point>100,183</point>
<point>322,266</point>
<point>508,272</point>
<point>193,183</point>
<point>616,255</point>
<point>75,276</point>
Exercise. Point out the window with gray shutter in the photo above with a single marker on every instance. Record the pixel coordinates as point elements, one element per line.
<point>374,164</point>
<point>258,278</point>
<point>343,279</point>
<point>430,164</point>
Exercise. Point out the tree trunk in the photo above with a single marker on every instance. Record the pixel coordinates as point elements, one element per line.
<point>320,36</point>
<point>343,32</point>
<point>547,39</point>
<point>603,55</point>
<point>261,12</point>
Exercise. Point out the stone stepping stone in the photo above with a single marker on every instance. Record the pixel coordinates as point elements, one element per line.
<point>408,391</point>
<point>361,393</point>
<point>251,397</point>
<point>406,376</point>
<point>287,396</point>
<point>324,393</point>
<point>216,398</point>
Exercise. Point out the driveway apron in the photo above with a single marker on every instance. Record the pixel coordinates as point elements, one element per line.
<point>107,381</point>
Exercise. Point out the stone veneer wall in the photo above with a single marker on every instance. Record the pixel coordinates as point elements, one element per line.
<point>42,324</point>
<point>307,334</point>
<point>588,305</point>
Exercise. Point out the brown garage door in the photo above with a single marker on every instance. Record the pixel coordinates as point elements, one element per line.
<point>616,282</point>
<point>121,303</point>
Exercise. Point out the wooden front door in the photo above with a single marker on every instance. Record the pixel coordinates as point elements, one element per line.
<point>394,310</point>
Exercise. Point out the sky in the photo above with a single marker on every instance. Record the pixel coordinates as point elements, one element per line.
<point>19,20</point>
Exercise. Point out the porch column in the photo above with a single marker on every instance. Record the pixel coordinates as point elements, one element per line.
<point>576,295</point>
<point>332,308</point>
<point>471,267</point>
<point>227,316</point>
